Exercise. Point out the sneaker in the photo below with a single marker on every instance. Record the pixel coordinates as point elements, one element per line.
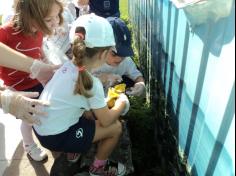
<point>36,153</point>
<point>73,157</point>
<point>110,169</point>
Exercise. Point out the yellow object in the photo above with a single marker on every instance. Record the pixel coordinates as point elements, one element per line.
<point>120,88</point>
<point>113,94</point>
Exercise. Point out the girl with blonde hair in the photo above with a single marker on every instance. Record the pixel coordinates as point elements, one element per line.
<point>24,33</point>
<point>73,90</point>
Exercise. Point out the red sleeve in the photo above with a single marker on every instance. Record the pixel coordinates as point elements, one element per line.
<point>3,35</point>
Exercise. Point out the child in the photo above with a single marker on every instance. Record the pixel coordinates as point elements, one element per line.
<point>57,46</point>
<point>105,8</point>
<point>78,7</point>
<point>119,62</point>
<point>59,41</point>
<point>24,33</point>
<point>73,90</point>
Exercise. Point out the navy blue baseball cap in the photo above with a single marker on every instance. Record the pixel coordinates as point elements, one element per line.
<point>122,37</point>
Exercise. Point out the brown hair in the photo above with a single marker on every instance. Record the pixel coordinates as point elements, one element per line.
<point>84,82</point>
<point>29,11</point>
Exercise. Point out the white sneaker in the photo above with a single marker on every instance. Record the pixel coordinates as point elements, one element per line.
<point>111,168</point>
<point>36,153</point>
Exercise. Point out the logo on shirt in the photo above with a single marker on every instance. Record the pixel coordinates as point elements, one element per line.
<point>107,5</point>
<point>64,70</point>
<point>79,133</point>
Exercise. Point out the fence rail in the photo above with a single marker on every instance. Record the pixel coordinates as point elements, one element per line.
<point>196,66</point>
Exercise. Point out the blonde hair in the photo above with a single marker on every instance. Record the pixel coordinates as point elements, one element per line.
<point>28,12</point>
<point>80,52</point>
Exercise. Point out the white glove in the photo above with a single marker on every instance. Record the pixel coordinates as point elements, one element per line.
<point>2,86</point>
<point>138,89</point>
<point>108,79</point>
<point>124,98</point>
<point>113,79</point>
<point>22,107</point>
<point>42,72</point>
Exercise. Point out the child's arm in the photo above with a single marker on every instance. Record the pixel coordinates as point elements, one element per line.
<point>15,60</point>
<point>17,104</point>
<point>139,79</point>
<point>83,2</point>
<point>139,87</point>
<point>108,116</point>
<point>108,79</point>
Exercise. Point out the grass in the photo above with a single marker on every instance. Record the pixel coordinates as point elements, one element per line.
<point>149,128</point>
<point>124,8</point>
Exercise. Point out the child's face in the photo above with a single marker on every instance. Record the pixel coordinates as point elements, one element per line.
<point>113,59</point>
<point>52,20</point>
<point>102,59</point>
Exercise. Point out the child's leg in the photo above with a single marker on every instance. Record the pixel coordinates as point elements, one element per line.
<point>26,131</point>
<point>29,145</point>
<point>108,138</point>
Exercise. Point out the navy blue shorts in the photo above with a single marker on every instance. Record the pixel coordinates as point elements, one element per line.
<point>77,139</point>
<point>38,88</point>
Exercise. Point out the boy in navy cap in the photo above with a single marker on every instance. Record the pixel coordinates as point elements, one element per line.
<point>119,64</point>
<point>103,8</point>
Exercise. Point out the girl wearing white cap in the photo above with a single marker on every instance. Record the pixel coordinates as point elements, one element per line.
<point>73,90</point>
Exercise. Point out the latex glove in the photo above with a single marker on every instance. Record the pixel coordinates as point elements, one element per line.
<point>124,98</point>
<point>138,89</point>
<point>108,79</point>
<point>113,79</point>
<point>2,86</point>
<point>82,2</point>
<point>22,107</point>
<point>42,72</point>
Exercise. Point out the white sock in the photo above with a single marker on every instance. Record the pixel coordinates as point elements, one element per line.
<point>26,131</point>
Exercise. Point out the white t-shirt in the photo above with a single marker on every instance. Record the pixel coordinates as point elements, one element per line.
<point>66,108</point>
<point>126,68</point>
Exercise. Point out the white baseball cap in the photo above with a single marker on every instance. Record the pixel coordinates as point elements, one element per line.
<point>99,32</point>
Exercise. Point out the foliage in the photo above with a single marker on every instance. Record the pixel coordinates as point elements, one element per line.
<point>154,145</point>
<point>141,127</point>
<point>124,8</point>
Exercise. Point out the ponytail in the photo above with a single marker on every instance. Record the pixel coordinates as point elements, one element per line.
<point>84,82</point>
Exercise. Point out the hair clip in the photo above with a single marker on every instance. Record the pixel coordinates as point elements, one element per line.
<point>80,35</point>
<point>82,68</point>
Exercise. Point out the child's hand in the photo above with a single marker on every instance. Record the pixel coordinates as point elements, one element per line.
<point>138,89</point>
<point>83,2</point>
<point>113,79</point>
<point>42,72</point>
<point>109,79</point>
<point>123,99</point>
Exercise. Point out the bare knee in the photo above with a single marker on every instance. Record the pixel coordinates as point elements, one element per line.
<point>117,128</point>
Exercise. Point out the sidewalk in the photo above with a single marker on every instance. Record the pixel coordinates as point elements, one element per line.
<point>13,159</point>
<point>15,162</point>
